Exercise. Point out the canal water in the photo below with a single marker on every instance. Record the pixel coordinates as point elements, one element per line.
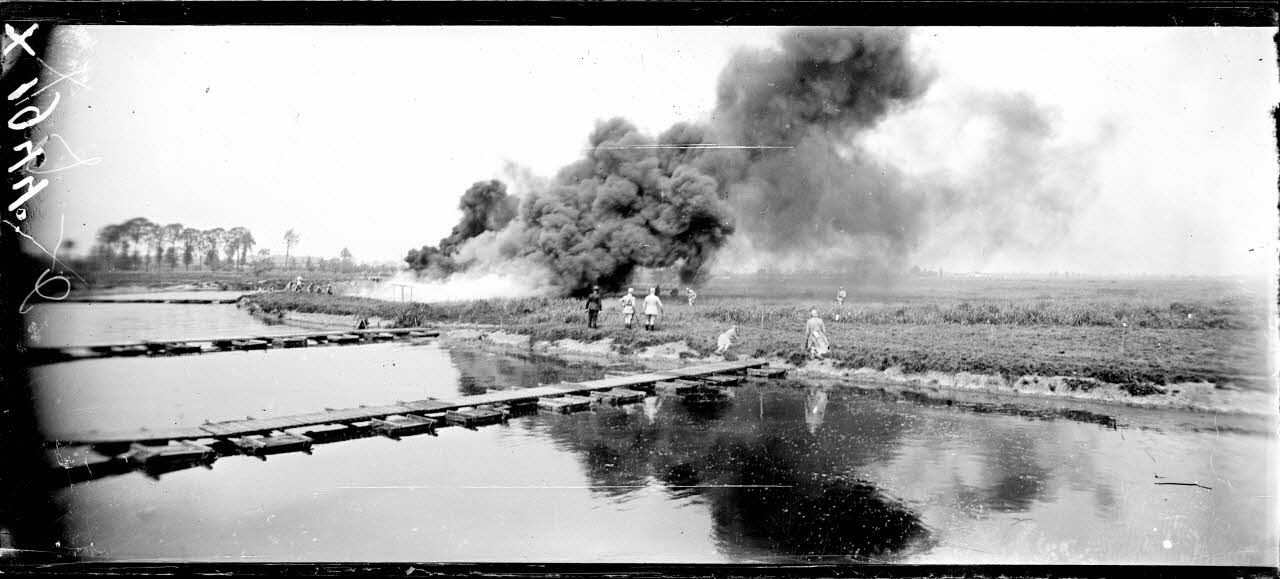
<point>784,472</point>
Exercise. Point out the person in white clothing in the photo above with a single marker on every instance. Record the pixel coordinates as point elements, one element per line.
<point>815,341</point>
<point>726,340</point>
<point>628,303</point>
<point>652,309</point>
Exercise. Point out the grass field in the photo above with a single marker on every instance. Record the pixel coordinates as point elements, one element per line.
<point>1124,331</point>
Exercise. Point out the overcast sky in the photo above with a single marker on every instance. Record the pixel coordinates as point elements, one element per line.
<point>365,137</point>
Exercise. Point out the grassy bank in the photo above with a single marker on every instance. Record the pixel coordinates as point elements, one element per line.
<point>1133,341</point>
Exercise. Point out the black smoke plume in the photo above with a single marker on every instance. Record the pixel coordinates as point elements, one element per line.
<point>791,176</point>
<point>485,206</point>
<point>812,188</point>
<point>625,205</point>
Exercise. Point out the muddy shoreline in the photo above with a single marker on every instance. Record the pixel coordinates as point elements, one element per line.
<point>1103,404</point>
<point>1190,405</point>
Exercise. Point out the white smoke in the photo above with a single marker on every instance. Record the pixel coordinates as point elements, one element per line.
<point>503,280</point>
<point>822,253</point>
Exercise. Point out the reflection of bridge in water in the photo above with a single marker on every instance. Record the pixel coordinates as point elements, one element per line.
<point>90,455</point>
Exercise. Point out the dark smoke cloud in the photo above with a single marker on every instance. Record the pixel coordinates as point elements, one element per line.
<point>626,205</point>
<point>815,97</point>
<point>629,204</point>
<point>782,162</point>
<point>485,206</point>
<point>823,82</point>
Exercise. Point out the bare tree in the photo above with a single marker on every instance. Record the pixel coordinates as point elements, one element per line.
<point>291,239</point>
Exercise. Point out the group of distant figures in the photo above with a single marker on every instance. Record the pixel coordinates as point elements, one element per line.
<point>816,344</point>
<point>652,307</point>
<point>310,288</point>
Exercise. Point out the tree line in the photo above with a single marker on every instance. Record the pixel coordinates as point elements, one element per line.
<point>140,243</point>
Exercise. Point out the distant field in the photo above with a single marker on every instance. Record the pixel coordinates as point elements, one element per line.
<point>229,280</point>
<point>1117,330</point>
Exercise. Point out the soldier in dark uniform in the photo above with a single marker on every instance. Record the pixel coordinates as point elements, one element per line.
<point>593,308</point>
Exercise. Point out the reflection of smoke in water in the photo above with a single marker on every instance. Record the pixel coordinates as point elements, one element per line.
<point>509,281</point>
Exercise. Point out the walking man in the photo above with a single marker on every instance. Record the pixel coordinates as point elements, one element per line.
<point>652,309</point>
<point>593,308</point>
<point>815,332</point>
<point>628,307</point>
<point>692,296</point>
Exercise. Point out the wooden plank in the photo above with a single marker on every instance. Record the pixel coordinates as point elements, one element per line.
<point>566,403</point>
<point>429,405</point>
<point>152,300</point>
<point>397,426</point>
<point>221,341</point>
<point>262,446</point>
<point>125,437</point>
<point>618,396</point>
<point>347,415</point>
<point>679,387</point>
<point>476,416</point>
<point>182,452</point>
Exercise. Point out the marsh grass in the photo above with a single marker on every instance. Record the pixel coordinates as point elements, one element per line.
<point>1127,334</point>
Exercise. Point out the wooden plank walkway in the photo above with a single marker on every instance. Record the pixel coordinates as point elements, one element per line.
<point>153,300</point>
<point>187,346</point>
<point>513,397</point>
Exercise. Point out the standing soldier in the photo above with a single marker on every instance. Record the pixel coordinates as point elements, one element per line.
<point>652,309</point>
<point>815,336</point>
<point>628,307</point>
<point>840,301</point>
<point>692,296</point>
<point>593,308</point>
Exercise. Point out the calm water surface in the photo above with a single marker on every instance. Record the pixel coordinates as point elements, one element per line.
<point>782,473</point>
<point>89,324</point>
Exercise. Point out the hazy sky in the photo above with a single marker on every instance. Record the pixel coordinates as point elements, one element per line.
<point>365,137</point>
